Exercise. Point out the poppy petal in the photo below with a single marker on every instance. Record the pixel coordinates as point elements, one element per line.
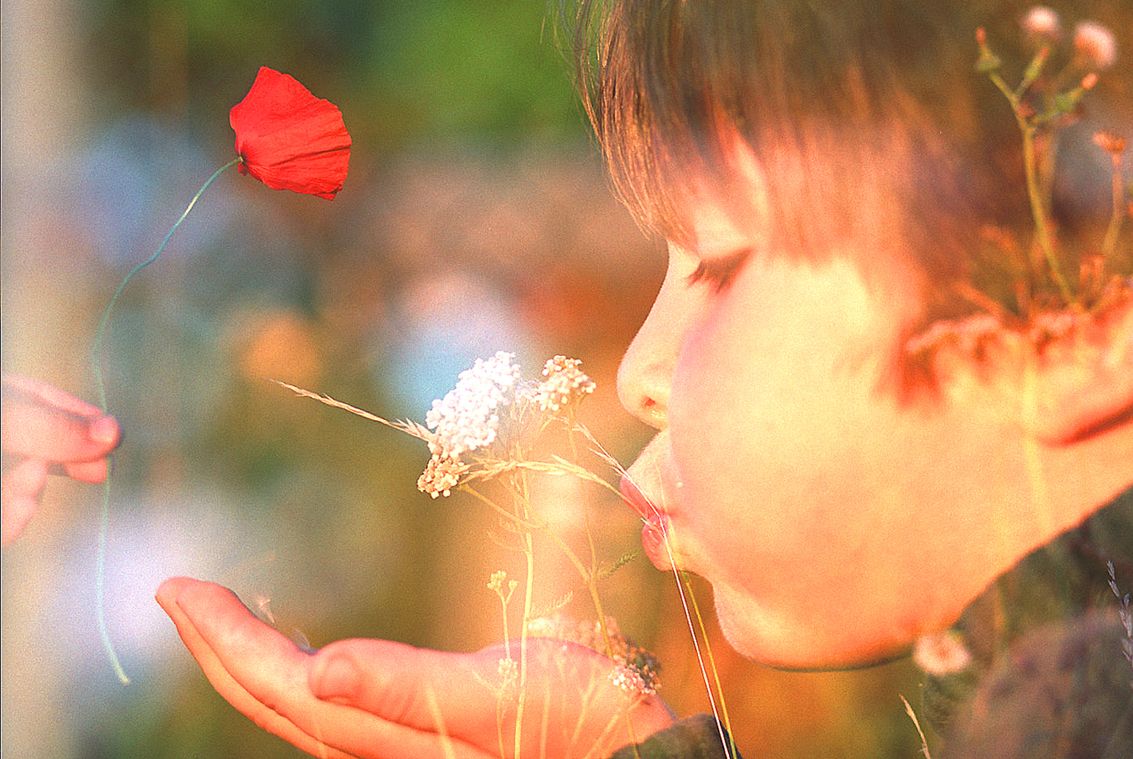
<point>289,139</point>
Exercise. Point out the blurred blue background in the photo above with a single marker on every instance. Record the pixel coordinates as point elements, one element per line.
<point>475,218</point>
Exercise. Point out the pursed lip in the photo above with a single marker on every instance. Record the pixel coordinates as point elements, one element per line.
<point>655,527</point>
<point>637,500</point>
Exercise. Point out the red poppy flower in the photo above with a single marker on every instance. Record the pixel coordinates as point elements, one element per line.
<point>289,139</point>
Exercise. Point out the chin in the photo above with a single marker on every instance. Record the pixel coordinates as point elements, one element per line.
<point>774,641</point>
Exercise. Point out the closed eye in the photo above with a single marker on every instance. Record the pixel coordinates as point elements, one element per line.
<point>719,272</point>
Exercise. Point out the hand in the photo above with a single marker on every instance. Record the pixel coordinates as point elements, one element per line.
<point>378,699</point>
<point>44,430</point>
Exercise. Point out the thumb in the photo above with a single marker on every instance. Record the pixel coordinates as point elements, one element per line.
<point>410,686</point>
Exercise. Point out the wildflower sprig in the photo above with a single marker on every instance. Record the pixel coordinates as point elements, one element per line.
<point>1042,103</point>
<point>1043,300</point>
<point>489,427</point>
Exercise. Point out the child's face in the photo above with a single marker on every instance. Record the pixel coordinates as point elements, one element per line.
<point>790,475</point>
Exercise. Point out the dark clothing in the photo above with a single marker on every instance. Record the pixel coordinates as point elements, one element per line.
<point>696,737</point>
<point>1050,677</point>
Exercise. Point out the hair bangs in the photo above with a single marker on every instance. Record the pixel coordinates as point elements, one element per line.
<point>657,97</point>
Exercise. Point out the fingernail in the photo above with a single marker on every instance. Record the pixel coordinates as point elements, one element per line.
<point>104,430</point>
<point>338,679</point>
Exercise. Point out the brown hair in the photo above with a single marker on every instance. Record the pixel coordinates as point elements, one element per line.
<point>859,105</point>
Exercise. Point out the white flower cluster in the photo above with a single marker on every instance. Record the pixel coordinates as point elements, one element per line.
<point>467,417</point>
<point>563,381</point>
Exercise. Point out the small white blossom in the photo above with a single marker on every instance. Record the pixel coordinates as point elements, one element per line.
<point>1042,22</point>
<point>563,381</point>
<point>942,653</point>
<point>441,475</point>
<point>636,670</point>
<point>467,418</point>
<point>632,681</point>
<point>496,581</point>
<point>1095,44</point>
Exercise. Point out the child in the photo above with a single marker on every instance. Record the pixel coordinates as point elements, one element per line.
<point>851,482</point>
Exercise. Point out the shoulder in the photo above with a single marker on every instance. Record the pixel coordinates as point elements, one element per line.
<point>1062,690</point>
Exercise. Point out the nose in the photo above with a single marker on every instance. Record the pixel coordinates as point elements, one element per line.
<point>646,372</point>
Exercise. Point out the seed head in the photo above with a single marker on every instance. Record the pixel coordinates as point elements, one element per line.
<point>1042,24</point>
<point>1095,45</point>
<point>941,653</point>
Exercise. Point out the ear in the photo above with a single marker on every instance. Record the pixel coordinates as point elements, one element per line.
<point>1080,384</point>
<point>1072,382</point>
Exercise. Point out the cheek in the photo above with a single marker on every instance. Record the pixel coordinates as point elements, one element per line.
<point>773,421</point>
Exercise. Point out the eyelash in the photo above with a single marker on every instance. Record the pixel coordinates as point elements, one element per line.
<point>719,273</point>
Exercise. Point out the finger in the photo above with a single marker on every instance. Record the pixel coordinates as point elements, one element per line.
<point>16,513</point>
<point>20,489</point>
<point>25,479</point>
<point>227,686</point>
<point>29,427</point>
<point>274,672</point>
<point>87,471</point>
<point>49,395</point>
<point>398,682</point>
<point>393,681</point>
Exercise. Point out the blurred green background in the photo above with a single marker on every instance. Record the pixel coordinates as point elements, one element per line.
<point>476,218</point>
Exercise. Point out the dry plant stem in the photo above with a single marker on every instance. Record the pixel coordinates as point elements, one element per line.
<point>1034,192</point>
<point>513,518</point>
<point>439,721</point>
<point>1047,155</point>
<point>711,665</point>
<point>588,574</point>
<point>500,726</point>
<point>1117,214</point>
<point>611,724</point>
<point>592,585</point>
<point>545,722</point>
<point>507,636</point>
<point>917,725</point>
<point>528,592</point>
<point>586,698</point>
<point>680,578</point>
<point>100,387</point>
<point>1038,210</point>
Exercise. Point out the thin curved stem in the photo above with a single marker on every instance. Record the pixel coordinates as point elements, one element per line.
<point>104,321</point>
<point>100,387</point>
